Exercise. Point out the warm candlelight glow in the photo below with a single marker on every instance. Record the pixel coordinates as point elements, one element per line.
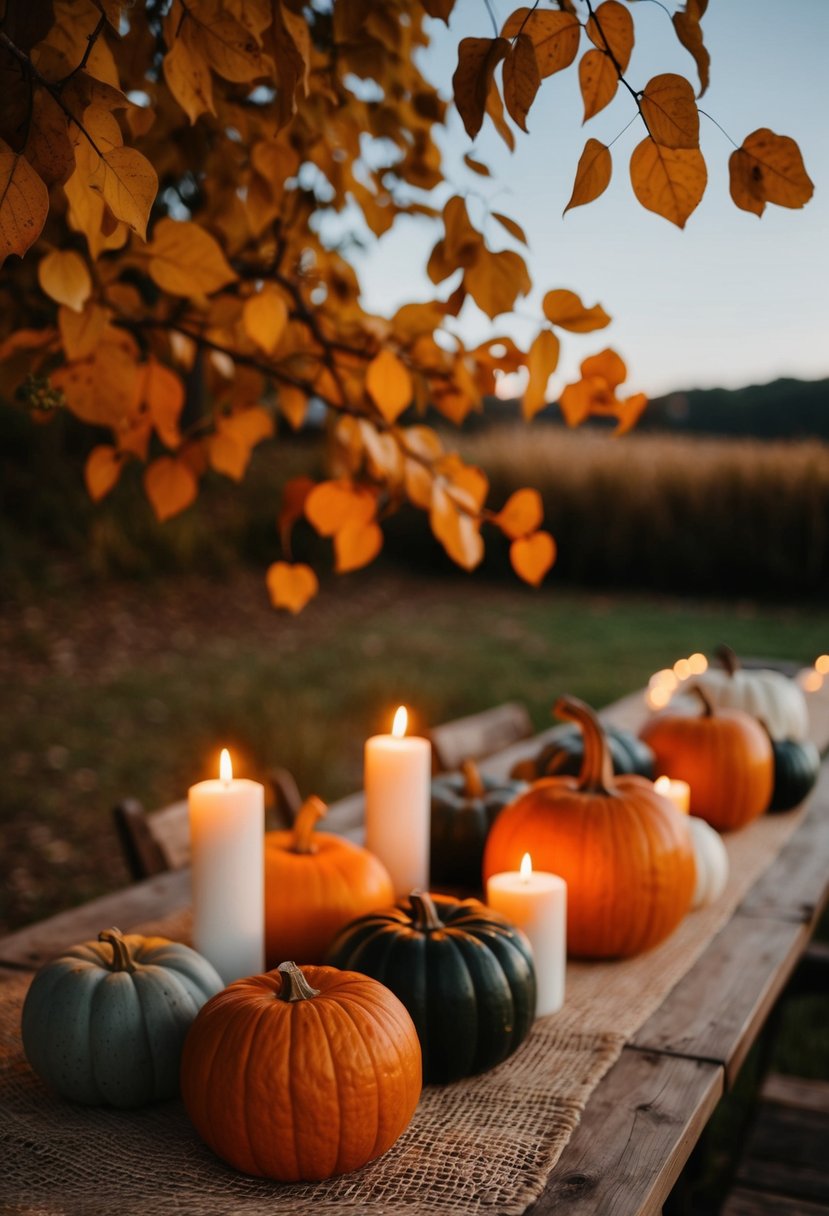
<point>698,663</point>
<point>662,785</point>
<point>682,669</point>
<point>677,792</point>
<point>225,767</point>
<point>401,721</point>
<point>526,868</point>
<point>810,680</point>
<point>822,664</point>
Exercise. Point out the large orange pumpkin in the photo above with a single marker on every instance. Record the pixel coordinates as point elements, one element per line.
<point>725,755</point>
<point>315,883</point>
<point>624,851</point>
<point>301,1073</point>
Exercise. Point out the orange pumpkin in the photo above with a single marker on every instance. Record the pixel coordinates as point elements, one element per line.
<point>624,851</point>
<point>725,755</point>
<point>315,883</point>
<point>300,1074</point>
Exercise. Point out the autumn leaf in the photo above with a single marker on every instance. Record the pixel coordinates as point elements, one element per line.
<point>495,110</point>
<point>607,364</point>
<point>565,309</point>
<point>670,111</point>
<point>81,332</point>
<point>293,403</point>
<point>389,384</point>
<point>24,203</point>
<point>496,280</point>
<point>598,82</point>
<point>48,148</point>
<point>265,316</point>
<point>164,395</point>
<point>227,455</point>
<point>230,49</point>
<point>291,586</point>
<point>171,486</point>
<point>102,470</point>
<point>356,545</point>
<point>689,32</point>
<point>521,514</point>
<point>542,360</point>
<point>521,79</point>
<point>188,75</point>
<point>128,184</point>
<point>457,531</point>
<point>476,166</point>
<point>611,29</point>
<point>555,36</point>
<point>669,181</point>
<point>592,175</point>
<point>441,9</point>
<point>186,260</point>
<point>462,243</point>
<point>629,412</point>
<point>477,61</point>
<point>512,228</point>
<point>768,168</point>
<point>64,277</point>
<point>332,505</point>
<point>532,556</point>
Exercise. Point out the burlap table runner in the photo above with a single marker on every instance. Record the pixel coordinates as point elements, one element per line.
<point>485,1144</point>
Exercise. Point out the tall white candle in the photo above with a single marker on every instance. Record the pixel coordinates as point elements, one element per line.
<point>227,841</point>
<point>679,792</point>
<point>537,903</point>
<point>398,774</point>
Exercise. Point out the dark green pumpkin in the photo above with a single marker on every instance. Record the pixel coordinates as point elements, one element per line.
<point>563,756</point>
<point>796,768</point>
<point>464,807</point>
<point>464,973</point>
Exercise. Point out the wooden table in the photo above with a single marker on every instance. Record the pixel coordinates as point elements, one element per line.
<point>648,1112</point>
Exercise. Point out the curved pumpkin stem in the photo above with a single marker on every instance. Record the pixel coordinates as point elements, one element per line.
<point>473,782</point>
<point>312,809</point>
<point>596,775</point>
<point>424,913</point>
<point>121,957</point>
<point>707,707</point>
<point>728,658</point>
<point>294,987</point>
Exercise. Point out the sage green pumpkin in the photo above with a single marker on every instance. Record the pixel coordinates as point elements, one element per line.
<point>464,807</point>
<point>796,768</point>
<point>105,1023</point>
<point>563,756</point>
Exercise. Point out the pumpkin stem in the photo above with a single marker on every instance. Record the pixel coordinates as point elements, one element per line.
<point>728,658</point>
<point>424,913</point>
<point>295,987</point>
<point>474,787</point>
<point>121,957</point>
<point>708,708</point>
<point>312,809</point>
<point>596,775</point>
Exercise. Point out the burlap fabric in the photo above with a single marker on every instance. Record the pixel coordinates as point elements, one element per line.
<point>482,1145</point>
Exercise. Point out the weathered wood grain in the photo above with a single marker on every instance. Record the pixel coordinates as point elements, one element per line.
<point>799,1092</point>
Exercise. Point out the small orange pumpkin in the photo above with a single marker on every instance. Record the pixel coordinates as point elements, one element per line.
<point>301,1073</point>
<point>725,755</point>
<point>316,882</point>
<point>624,851</point>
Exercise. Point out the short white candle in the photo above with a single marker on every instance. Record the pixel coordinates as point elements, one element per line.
<point>537,903</point>
<point>398,775</point>
<point>227,844</point>
<point>679,792</point>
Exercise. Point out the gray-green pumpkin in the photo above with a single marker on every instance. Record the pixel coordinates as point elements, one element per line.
<point>105,1023</point>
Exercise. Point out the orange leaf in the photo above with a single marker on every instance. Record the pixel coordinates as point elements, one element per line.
<point>495,110</point>
<point>512,228</point>
<point>689,32</point>
<point>332,505</point>
<point>669,181</point>
<point>577,400</point>
<point>555,36</point>
<point>768,168</point>
<point>670,111</point>
<point>542,361</point>
<point>81,332</point>
<point>476,166</point>
<point>592,175</point>
<point>477,61</point>
<point>521,513</point>
<point>496,280</point>
<point>564,308</point>
<point>24,203</point>
<point>188,76</point>
<point>356,545</point>
<point>629,412</point>
<point>389,384</point>
<point>521,79</point>
<point>102,470</point>
<point>293,403</point>
<point>170,485</point>
<point>294,494</point>
<point>164,394</point>
<point>467,484</point>
<point>248,426</point>
<point>458,532</point>
<point>265,316</point>
<point>291,586</point>
<point>532,556</point>
<point>598,82</point>
<point>128,184</point>
<point>607,364</point>
<point>228,455</point>
<point>463,242</point>
<point>612,29</point>
<point>186,260</point>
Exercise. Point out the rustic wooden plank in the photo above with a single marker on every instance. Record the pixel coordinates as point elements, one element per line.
<point>716,1011</point>
<point>786,1153</point>
<point>635,1135</point>
<point>746,1202</point>
<point>799,1092</point>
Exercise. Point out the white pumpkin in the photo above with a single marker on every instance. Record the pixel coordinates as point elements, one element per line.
<point>711,860</point>
<point>769,696</point>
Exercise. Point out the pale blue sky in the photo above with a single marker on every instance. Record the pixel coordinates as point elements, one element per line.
<point>731,300</point>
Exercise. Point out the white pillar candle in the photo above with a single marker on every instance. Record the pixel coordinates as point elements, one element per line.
<point>537,903</point>
<point>227,843</point>
<point>679,792</point>
<point>398,775</point>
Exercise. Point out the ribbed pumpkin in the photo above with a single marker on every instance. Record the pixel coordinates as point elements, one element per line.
<point>725,756</point>
<point>464,807</point>
<point>316,882</point>
<point>624,851</point>
<point>796,768</point>
<point>301,1073</point>
<point>464,973</point>
<point>711,861</point>
<point>769,696</point>
<point>104,1023</point>
<point>563,756</point>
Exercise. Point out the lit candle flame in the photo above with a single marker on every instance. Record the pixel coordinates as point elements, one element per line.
<point>401,721</point>
<point>662,785</point>
<point>526,867</point>
<point>225,767</point>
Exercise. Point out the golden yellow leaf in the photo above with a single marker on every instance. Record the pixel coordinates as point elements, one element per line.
<point>102,470</point>
<point>607,364</point>
<point>104,389</point>
<point>389,384</point>
<point>64,277</point>
<point>248,426</point>
<point>598,81</point>
<point>512,228</point>
<point>186,260</point>
<point>669,181</point>
<point>577,400</point>
<point>496,280</point>
<point>462,243</point>
<point>356,545</point>
<point>477,61</point>
<point>465,483</point>
<point>228,455</point>
<point>128,184</point>
<point>333,504</point>
<point>689,32</point>
<point>521,514</point>
<point>592,175</point>
<point>164,395</point>
<point>24,203</point>
<point>495,110</point>
<point>768,168</point>
<point>612,29</point>
<point>188,75</point>
<point>565,309</point>
<point>293,403</point>
<point>81,332</point>
<point>542,361</point>
<point>670,111</point>
<point>291,586</point>
<point>457,531</point>
<point>521,79</point>
<point>532,556</point>
<point>555,36</point>
<point>265,316</point>
<point>629,412</point>
<point>230,49</point>
<point>170,485</point>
